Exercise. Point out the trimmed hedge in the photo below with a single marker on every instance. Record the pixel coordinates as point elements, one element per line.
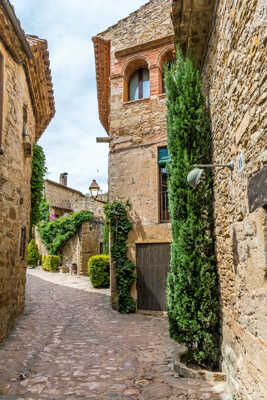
<point>98,270</point>
<point>33,254</point>
<point>50,263</point>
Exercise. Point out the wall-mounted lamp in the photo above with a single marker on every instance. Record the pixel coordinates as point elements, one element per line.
<point>193,178</point>
<point>94,190</point>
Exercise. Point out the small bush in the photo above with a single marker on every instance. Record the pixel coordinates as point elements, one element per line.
<point>98,270</point>
<point>50,263</point>
<point>33,254</point>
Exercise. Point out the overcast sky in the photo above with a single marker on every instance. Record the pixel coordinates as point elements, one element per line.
<point>68,25</point>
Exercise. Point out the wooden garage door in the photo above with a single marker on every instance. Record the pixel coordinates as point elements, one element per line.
<point>152,263</point>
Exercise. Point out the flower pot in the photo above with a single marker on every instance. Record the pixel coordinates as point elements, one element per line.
<point>74,268</point>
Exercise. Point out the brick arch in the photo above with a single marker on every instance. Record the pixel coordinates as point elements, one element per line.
<point>129,69</point>
<point>165,56</point>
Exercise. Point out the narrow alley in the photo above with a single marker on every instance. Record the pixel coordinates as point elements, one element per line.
<point>70,345</point>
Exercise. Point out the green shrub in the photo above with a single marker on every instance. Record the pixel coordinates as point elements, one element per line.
<point>33,254</point>
<point>98,270</point>
<point>193,289</point>
<point>50,263</point>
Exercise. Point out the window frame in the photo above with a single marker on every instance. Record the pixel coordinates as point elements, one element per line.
<point>141,81</point>
<point>164,215</point>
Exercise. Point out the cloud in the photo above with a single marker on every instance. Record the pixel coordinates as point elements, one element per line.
<point>68,25</point>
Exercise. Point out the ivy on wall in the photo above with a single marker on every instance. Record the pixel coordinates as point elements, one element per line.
<point>37,184</point>
<point>106,237</point>
<point>193,294</point>
<point>120,226</point>
<point>55,234</point>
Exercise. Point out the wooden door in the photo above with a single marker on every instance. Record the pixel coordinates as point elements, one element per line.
<point>152,263</point>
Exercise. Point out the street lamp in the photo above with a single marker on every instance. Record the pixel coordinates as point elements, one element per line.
<point>94,190</point>
<point>193,178</point>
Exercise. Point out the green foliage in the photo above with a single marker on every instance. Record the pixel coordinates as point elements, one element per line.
<point>234,397</point>
<point>37,183</point>
<point>193,295</point>
<point>120,226</point>
<point>33,254</point>
<point>50,263</point>
<point>98,270</point>
<point>55,234</point>
<point>44,210</point>
<point>106,238</point>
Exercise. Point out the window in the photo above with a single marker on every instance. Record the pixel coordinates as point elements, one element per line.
<point>166,62</point>
<point>163,158</point>
<point>23,238</point>
<point>1,98</point>
<point>139,86</point>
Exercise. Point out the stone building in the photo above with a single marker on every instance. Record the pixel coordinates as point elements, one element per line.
<point>231,54</point>
<point>130,58</point>
<point>63,199</point>
<point>26,108</point>
<point>89,240</point>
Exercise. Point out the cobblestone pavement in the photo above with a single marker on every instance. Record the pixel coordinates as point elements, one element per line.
<point>70,345</point>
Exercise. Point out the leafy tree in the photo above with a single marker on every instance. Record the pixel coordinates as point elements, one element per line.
<point>44,210</point>
<point>192,290</point>
<point>37,184</point>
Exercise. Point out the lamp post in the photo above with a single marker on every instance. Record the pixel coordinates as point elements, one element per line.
<point>94,190</point>
<point>193,178</point>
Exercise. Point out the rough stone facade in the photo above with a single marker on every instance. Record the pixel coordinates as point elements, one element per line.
<point>234,80</point>
<point>63,200</point>
<point>137,128</point>
<point>89,241</point>
<point>85,244</point>
<point>20,88</point>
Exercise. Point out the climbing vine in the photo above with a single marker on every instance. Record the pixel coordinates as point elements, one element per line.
<point>106,237</point>
<point>193,295</point>
<point>55,234</point>
<point>37,184</point>
<point>120,226</point>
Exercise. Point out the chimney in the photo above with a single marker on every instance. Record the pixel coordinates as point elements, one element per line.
<point>63,179</point>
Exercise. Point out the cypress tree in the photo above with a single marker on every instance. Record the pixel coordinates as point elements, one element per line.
<point>192,289</point>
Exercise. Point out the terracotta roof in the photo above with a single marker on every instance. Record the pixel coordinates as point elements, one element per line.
<point>31,52</point>
<point>102,61</point>
<point>41,83</point>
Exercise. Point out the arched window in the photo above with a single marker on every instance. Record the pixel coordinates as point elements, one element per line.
<point>166,65</point>
<point>1,97</point>
<point>139,86</point>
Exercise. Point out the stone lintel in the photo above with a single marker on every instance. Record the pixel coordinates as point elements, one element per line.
<point>153,44</point>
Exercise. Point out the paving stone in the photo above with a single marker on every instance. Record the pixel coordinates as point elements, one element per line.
<point>70,345</point>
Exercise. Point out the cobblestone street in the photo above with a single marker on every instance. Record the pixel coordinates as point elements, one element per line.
<point>69,344</point>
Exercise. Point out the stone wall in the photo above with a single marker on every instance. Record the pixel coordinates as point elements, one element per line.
<point>234,80</point>
<point>83,245</point>
<point>64,200</point>
<point>15,192</point>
